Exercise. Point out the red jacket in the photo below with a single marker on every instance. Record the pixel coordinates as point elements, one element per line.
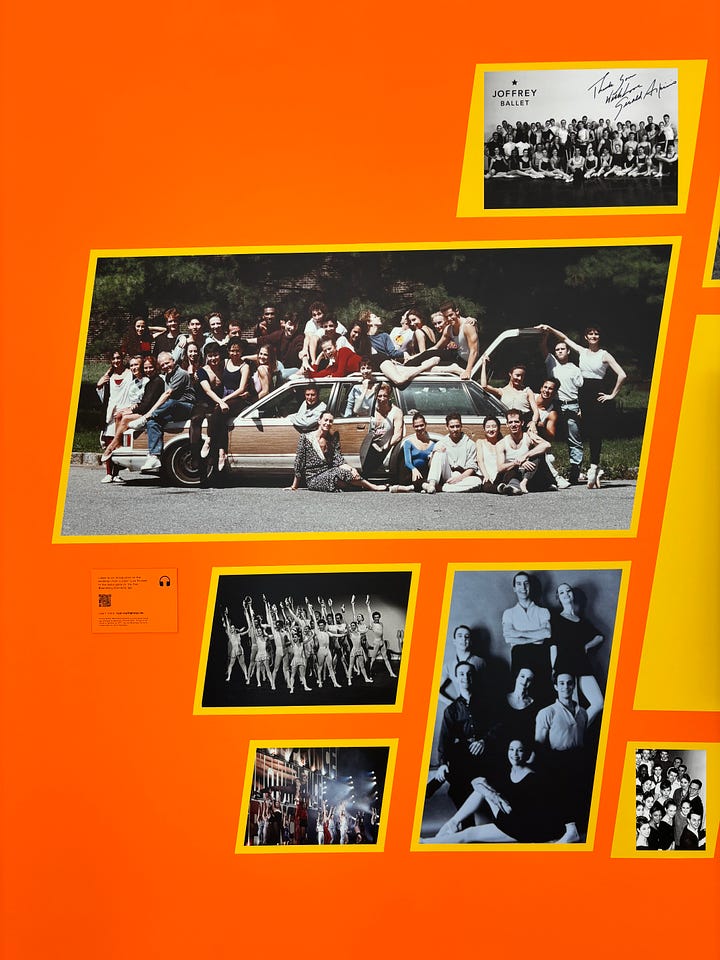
<point>346,361</point>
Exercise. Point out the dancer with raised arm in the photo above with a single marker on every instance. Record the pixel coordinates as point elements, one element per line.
<point>235,650</point>
<point>378,644</point>
<point>594,363</point>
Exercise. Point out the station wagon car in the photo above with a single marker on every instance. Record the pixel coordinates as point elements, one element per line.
<point>263,440</point>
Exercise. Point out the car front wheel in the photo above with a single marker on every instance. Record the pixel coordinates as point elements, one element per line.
<point>184,467</point>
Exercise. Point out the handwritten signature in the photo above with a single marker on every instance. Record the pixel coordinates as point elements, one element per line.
<point>625,90</point>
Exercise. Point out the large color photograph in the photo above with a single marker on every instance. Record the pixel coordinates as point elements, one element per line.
<point>256,386</point>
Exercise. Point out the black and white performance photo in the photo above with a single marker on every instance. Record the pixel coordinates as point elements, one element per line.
<point>307,639</point>
<point>319,796</point>
<point>520,704</point>
<point>670,799</point>
<point>602,137</point>
<point>366,391</point>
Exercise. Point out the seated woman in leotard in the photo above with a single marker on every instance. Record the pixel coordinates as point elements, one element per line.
<point>592,163</point>
<point>628,166</point>
<point>643,167</point>
<point>416,458</point>
<point>487,454</point>
<point>576,166</point>
<point>497,165</point>
<point>525,167</point>
<point>667,161</point>
<point>606,163</point>
<point>573,636</point>
<point>264,377</point>
<point>424,335</point>
<point>520,805</point>
<point>557,166</point>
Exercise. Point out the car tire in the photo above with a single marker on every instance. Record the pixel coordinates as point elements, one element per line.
<point>185,468</point>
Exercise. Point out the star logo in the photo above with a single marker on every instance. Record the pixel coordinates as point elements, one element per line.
<point>514,83</point>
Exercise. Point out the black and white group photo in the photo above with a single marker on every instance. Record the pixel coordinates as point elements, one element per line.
<point>574,138</point>
<point>670,801</point>
<point>307,639</point>
<point>269,384</point>
<point>319,796</point>
<point>520,706</point>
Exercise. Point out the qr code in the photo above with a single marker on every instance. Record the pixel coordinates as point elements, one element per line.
<point>105,600</point>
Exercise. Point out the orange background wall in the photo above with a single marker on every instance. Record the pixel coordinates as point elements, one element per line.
<point>142,125</point>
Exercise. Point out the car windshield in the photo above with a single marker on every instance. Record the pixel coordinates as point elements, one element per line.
<point>437,398</point>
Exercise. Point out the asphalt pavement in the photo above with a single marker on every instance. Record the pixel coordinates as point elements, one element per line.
<point>143,506</point>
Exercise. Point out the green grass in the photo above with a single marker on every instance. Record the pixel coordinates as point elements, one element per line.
<point>620,458</point>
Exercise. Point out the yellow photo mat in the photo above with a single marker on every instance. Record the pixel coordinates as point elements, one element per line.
<point>323,849</point>
<point>624,568</point>
<point>624,836</point>
<point>631,531</point>
<point>471,198</point>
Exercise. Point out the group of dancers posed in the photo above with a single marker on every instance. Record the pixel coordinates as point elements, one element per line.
<point>275,824</point>
<point>519,764</point>
<point>670,809</point>
<point>302,646</point>
<point>583,150</point>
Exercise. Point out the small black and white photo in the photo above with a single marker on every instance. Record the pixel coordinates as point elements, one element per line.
<point>670,799</point>
<point>315,796</point>
<point>520,703</point>
<point>312,639</point>
<point>597,137</point>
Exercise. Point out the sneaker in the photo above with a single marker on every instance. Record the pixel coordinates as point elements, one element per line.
<point>591,476</point>
<point>139,423</point>
<point>562,483</point>
<point>118,479</point>
<point>150,463</point>
<point>501,487</point>
<point>107,479</point>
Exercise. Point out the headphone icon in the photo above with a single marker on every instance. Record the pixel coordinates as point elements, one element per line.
<point>164,581</point>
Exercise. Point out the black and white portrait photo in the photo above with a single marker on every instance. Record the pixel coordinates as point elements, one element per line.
<point>306,639</point>
<point>519,708</point>
<point>600,137</point>
<point>315,796</point>
<point>670,799</point>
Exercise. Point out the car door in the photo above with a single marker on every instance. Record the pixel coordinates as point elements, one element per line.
<point>352,430</point>
<point>263,438</point>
